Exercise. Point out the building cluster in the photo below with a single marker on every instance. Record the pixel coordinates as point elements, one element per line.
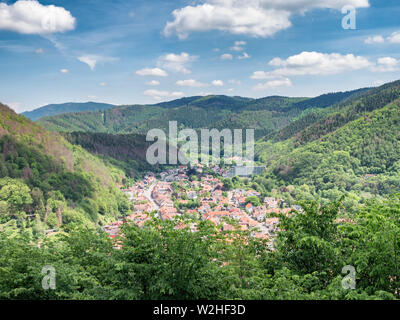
<point>174,194</point>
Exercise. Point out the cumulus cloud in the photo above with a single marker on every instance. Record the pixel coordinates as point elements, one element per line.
<point>238,46</point>
<point>261,75</point>
<point>159,94</point>
<point>374,40</point>
<point>93,60</point>
<point>153,83</point>
<point>258,18</point>
<point>156,72</point>
<point>394,37</point>
<point>245,55</point>
<point>313,63</point>
<point>217,83</point>
<point>176,62</point>
<point>386,64</point>
<point>31,17</point>
<point>226,56</point>
<point>64,71</point>
<point>284,82</point>
<point>191,83</point>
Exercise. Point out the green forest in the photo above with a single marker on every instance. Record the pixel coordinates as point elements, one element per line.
<point>161,261</point>
<point>46,182</point>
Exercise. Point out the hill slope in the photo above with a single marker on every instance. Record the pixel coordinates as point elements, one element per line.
<point>45,181</point>
<point>351,147</point>
<point>127,152</point>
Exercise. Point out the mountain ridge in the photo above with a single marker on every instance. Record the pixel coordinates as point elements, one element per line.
<point>265,115</point>
<point>56,109</point>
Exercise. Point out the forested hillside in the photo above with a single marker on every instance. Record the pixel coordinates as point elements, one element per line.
<point>347,148</point>
<point>46,182</point>
<point>318,148</point>
<point>265,115</point>
<point>127,152</point>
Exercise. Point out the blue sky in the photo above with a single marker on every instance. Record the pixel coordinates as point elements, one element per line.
<point>127,52</point>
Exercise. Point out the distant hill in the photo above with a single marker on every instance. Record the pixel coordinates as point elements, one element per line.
<point>46,182</point>
<point>265,115</point>
<point>55,109</point>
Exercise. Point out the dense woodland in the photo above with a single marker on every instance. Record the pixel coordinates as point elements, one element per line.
<point>161,261</point>
<point>265,115</point>
<point>352,149</point>
<point>46,182</point>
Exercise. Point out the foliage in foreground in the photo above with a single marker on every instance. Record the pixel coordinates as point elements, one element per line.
<point>165,260</point>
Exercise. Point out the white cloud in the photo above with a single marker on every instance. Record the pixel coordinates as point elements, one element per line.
<point>153,83</point>
<point>39,51</point>
<point>244,56</point>
<point>176,62</point>
<point>217,83</point>
<point>156,72</point>
<point>64,71</point>
<point>93,60</point>
<point>374,40</point>
<point>261,75</point>
<point>284,82</point>
<point>258,18</point>
<point>386,64</point>
<point>159,94</point>
<point>226,56</point>
<point>16,106</point>
<point>103,84</point>
<point>313,63</point>
<point>31,17</point>
<point>394,38</point>
<point>191,83</point>
<point>238,46</point>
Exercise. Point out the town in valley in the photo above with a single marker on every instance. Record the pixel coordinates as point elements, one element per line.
<point>174,193</point>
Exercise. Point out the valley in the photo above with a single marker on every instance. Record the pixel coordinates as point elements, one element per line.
<point>327,169</point>
<point>203,157</point>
